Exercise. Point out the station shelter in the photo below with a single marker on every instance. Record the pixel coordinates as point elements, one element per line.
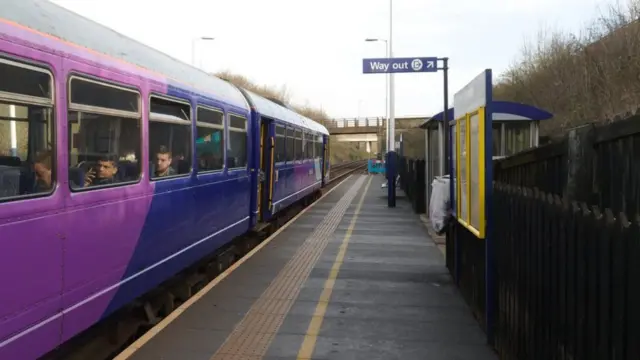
<point>515,128</point>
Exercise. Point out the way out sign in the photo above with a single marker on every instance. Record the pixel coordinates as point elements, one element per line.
<point>399,65</point>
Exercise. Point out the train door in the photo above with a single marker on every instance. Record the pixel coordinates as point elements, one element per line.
<point>265,177</point>
<point>326,161</point>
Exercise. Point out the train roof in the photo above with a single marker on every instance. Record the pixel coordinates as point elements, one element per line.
<point>49,18</point>
<point>274,110</point>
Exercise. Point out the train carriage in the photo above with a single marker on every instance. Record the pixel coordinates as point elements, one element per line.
<point>120,166</point>
<point>290,155</point>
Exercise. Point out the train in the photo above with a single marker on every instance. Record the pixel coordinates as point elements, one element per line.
<point>120,166</point>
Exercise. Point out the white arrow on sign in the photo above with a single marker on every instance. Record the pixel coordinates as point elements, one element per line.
<point>431,64</point>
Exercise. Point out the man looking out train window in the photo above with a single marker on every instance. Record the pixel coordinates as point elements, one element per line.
<point>163,162</point>
<point>42,169</point>
<point>105,175</point>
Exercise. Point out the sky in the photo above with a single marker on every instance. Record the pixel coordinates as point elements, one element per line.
<point>315,48</point>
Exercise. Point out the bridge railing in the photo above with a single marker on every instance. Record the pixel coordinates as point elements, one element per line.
<point>356,122</point>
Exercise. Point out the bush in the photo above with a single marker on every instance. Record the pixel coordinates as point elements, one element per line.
<point>580,78</point>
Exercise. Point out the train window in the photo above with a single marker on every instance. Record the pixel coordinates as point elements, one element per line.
<point>210,139</point>
<point>298,146</point>
<point>318,144</point>
<point>25,80</point>
<point>309,147</point>
<point>169,137</point>
<point>315,145</point>
<point>290,145</point>
<point>104,134</point>
<point>210,116</point>
<point>26,131</point>
<point>327,154</point>
<point>304,144</point>
<point>280,154</point>
<point>237,122</point>
<point>93,94</point>
<point>237,145</point>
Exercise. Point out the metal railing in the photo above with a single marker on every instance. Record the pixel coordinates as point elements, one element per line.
<point>355,122</point>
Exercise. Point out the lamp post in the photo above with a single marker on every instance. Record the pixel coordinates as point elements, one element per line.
<point>391,124</point>
<point>386,77</point>
<point>193,47</point>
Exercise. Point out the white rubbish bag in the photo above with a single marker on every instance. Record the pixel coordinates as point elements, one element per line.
<point>439,203</point>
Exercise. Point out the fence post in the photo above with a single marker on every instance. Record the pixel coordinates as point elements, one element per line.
<point>421,186</point>
<point>580,155</point>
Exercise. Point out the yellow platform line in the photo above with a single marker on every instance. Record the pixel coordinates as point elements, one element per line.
<point>253,335</point>
<point>131,349</point>
<point>311,337</point>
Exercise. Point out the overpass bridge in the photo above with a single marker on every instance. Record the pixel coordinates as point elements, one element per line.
<point>369,130</point>
<point>370,125</point>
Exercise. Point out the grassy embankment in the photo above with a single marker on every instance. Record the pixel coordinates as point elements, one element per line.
<point>339,151</point>
<point>581,78</point>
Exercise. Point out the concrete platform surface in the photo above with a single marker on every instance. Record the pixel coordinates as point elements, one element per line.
<point>349,279</point>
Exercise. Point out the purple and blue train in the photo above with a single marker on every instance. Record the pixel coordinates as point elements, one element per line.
<point>120,166</point>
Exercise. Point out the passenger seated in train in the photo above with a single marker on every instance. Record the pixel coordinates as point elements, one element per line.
<point>163,162</point>
<point>42,169</point>
<point>105,174</point>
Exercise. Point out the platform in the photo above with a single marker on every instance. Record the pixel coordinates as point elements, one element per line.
<point>349,278</point>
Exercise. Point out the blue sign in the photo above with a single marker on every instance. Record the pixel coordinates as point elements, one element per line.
<point>399,65</point>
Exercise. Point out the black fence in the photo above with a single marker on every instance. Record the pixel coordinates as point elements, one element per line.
<point>544,168</point>
<point>597,165</point>
<point>470,268</point>
<point>566,243</point>
<point>567,279</point>
<point>412,182</point>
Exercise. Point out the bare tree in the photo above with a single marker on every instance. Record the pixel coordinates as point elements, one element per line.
<point>580,78</point>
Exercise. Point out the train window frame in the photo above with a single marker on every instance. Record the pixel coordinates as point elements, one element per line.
<point>326,153</point>
<point>312,140</point>
<point>304,145</point>
<point>210,125</point>
<point>99,109</point>
<point>244,130</point>
<point>290,140</point>
<point>282,136</point>
<point>130,115</point>
<point>29,65</point>
<point>310,145</point>
<point>11,98</point>
<point>170,119</point>
<point>319,147</point>
<point>299,154</point>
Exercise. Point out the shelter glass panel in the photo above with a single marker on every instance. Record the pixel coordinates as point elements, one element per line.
<point>474,170</point>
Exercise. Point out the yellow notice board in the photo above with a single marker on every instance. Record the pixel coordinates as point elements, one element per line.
<point>470,171</point>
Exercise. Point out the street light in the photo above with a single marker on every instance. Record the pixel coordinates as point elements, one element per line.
<point>193,47</point>
<point>391,124</point>
<point>386,77</point>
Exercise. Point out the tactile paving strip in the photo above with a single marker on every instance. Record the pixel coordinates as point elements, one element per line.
<point>252,336</point>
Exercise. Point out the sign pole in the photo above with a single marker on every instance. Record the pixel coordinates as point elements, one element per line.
<point>391,138</point>
<point>390,66</point>
<point>448,161</point>
<point>445,118</point>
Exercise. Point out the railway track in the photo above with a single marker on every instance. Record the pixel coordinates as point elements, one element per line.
<point>112,335</point>
<point>341,170</point>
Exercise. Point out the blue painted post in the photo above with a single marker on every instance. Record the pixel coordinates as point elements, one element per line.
<point>391,176</point>
<point>490,274</point>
